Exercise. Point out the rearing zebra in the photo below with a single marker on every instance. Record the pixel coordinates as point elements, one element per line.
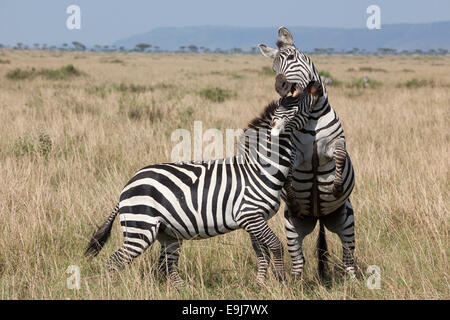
<point>322,177</point>
<point>172,202</point>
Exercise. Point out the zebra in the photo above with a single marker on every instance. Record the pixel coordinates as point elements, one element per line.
<point>172,202</point>
<point>323,176</point>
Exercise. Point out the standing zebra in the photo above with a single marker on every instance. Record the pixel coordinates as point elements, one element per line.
<point>322,176</point>
<point>172,202</point>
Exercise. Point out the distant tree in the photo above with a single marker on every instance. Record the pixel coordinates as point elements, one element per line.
<point>36,45</point>
<point>418,51</point>
<point>182,48</point>
<point>193,48</point>
<point>431,51</point>
<point>329,50</point>
<point>78,46</point>
<point>122,48</point>
<point>1,45</point>
<point>440,50</point>
<point>387,50</point>
<point>142,46</point>
<point>253,50</point>
<point>236,50</point>
<point>320,50</point>
<point>218,50</point>
<point>19,45</point>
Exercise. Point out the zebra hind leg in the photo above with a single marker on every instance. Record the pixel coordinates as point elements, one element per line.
<point>296,230</point>
<point>168,261</point>
<point>136,241</point>
<point>342,223</point>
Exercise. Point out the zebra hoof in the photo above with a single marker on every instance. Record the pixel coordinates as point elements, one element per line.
<point>350,271</point>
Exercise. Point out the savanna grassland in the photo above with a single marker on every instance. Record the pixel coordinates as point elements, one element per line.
<point>76,126</point>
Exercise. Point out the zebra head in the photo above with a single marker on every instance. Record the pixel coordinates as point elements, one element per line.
<point>293,112</point>
<point>294,69</point>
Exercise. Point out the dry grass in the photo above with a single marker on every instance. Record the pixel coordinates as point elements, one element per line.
<point>67,147</point>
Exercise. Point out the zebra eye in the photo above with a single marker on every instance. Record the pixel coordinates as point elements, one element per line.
<point>290,57</point>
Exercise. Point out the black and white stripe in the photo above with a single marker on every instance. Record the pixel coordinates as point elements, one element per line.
<point>322,176</point>
<point>172,202</point>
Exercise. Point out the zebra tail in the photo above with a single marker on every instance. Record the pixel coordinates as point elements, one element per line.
<point>322,249</point>
<point>100,237</point>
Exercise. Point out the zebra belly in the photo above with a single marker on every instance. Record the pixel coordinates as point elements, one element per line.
<point>314,169</point>
<point>184,201</point>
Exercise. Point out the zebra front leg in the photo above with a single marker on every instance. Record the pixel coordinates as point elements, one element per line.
<point>168,261</point>
<point>296,230</point>
<point>261,231</point>
<point>263,254</point>
<point>339,156</point>
<point>342,223</point>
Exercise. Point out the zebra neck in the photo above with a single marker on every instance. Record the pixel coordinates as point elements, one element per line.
<point>270,155</point>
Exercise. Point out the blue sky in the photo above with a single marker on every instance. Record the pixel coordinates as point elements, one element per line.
<point>105,21</point>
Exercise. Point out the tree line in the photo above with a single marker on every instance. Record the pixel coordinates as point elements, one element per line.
<point>146,47</point>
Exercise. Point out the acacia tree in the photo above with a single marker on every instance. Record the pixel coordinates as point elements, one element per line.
<point>193,48</point>
<point>78,46</point>
<point>142,46</point>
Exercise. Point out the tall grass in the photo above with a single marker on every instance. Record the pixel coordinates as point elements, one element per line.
<point>66,153</point>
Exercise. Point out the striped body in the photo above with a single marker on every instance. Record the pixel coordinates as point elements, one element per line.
<point>315,169</point>
<point>322,176</point>
<point>172,202</point>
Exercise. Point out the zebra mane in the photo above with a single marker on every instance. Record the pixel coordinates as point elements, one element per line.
<point>264,119</point>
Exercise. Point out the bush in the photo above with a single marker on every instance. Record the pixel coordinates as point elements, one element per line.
<point>27,145</point>
<point>418,83</point>
<point>326,74</point>
<point>362,83</point>
<point>135,88</point>
<point>19,74</point>
<point>63,73</point>
<point>370,69</point>
<point>216,94</point>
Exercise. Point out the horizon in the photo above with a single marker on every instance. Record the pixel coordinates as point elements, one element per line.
<point>31,22</point>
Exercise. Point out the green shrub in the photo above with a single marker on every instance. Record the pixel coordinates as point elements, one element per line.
<point>418,83</point>
<point>62,73</point>
<point>135,88</point>
<point>44,145</point>
<point>327,74</point>
<point>360,83</point>
<point>370,69</point>
<point>19,74</point>
<point>216,94</point>
<point>23,145</point>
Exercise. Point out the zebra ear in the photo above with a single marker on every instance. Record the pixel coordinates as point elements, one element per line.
<point>285,36</point>
<point>267,51</point>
